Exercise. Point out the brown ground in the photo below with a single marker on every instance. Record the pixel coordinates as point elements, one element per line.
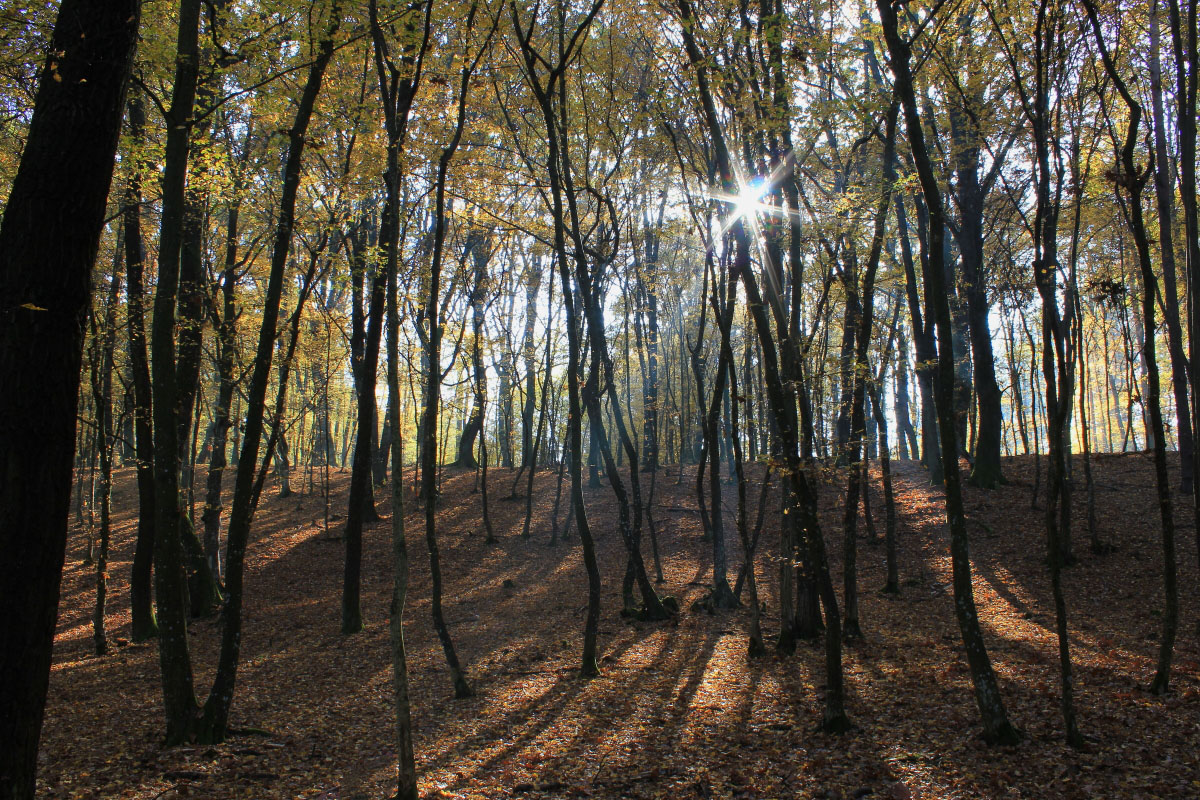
<point>678,712</point>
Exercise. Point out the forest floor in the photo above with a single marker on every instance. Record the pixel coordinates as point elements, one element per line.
<point>678,711</point>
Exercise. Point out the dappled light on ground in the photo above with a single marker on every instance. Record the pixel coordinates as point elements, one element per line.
<point>678,711</point>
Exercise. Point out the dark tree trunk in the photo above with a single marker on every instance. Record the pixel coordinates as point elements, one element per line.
<point>141,591</point>
<point>226,351</point>
<point>781,396</point>
<point>397,95</point>
<point>362,501</point>
<point>433,386</point>
<point>755,646</point>
<point>545,88</point>
<point>985,472</point>
<point>1187,80</point>
<point>215,723</point>
<point>365,318</point>
<point>478,249</point>
<point>860,307</point>
<point>506,369</point>
<point>171,587</point>
<point>648,282</point>
<point>1165,195</point>
<point>987,691</point>
<point>891,541</point>
<point>1133,181</point>
<point>907,435</point>
<point>541,425</point>
<point>722,296</point>
<point>104,338</point>
<point>533,279</point>
<point>380,465</point>
<point>48,242</point>
<point>204,590</point>
<point>926,352</point>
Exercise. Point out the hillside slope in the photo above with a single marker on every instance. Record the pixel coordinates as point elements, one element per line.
<point>679,711</point>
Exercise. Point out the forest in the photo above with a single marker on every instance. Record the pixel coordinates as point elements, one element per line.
<point>596,398</point>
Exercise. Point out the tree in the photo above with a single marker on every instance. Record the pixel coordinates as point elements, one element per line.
<point>141,590</point>
<point>48,242</point>
<point>781,395</point>
<point>996,727</point>
<point>1133,180</point>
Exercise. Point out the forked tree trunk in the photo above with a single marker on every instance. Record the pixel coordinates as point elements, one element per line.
<point>545,88</point>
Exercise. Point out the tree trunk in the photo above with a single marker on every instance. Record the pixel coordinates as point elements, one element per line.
<point>781,394</point>
<point>544,88</point>
<point>907,435</point>
<point>170,582</point>
<point>362,504</point>
<point>860,307</point>
<point>141,592</point>
<point>987,692</point>
<point>48,242</point>
<point>226,352</point>
<point>104,337</point>
<point>479,250</point>
<point>433,385</point>
<point>1165,195</point>
<point>926,352</point>
<point>214,726</point>
<point>985,472</point>
<point>723,308</point>
<point>1133,182</point>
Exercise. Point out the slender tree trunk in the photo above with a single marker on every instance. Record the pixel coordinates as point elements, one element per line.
<point>755,647</point>
<point>650,389</point>
<point>541,424</point>
<point>926,352</point>
<point>215,724</point>
<point>1096,545</point>
<point>907,435</point>
<point>170,583</point>
<point>226,350</point>
<point>1187,78</point>
<point>104,339</point>
<point>987,692</point>
<point>781,395</point>
<point>361,500</point>
<point>433,383</point>
<point>478,249</point>
<point>544,89</point>
<point>1165,196</point>
<point>406,774</point>
<point>891,541</point>
<point>986,471</point>
<point>1133,182</point>
<point>533,280</point>
<point>141,593</point>
<point>723,307</point>
<point>860,307</point>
